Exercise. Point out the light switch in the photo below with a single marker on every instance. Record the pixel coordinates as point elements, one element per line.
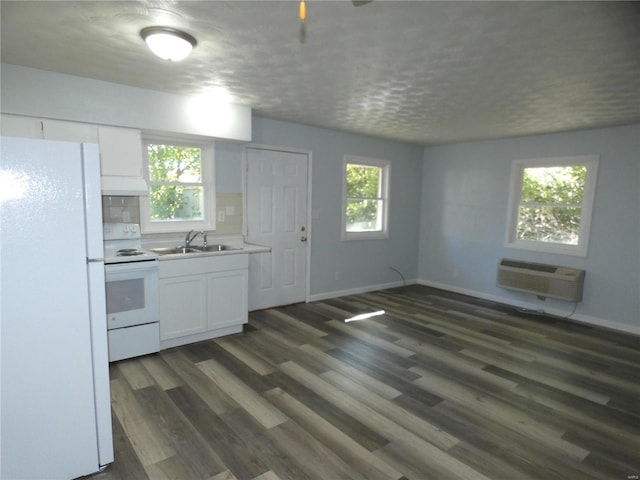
<point>221,215</point>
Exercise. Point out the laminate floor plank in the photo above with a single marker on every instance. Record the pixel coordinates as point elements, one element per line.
<point>501,413</point>
<point>136,375</point>
<point>201,462</point>
<point>231,451</point>
<point>270,475</point>
<point>267,415</point>
<point>318,461</point>
<point>490,441</point>
<point>239,350</point>
<point>161,373</point>
<point>538,459</point>
<point>441,386</point>
<point>371,339</point>
<point>196,380</point>
<point>392,411</point>
<point>358,376</point>
<point>238,368</point>
<point>348,449</point>
<point>293,351</point>
<point>146,437</point>
<point>350,426</point>
<point>245,427</point>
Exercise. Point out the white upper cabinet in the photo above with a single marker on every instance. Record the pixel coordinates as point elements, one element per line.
<point>120,148</point>
<point>121,151</point>
<point>31,127</point>
<point>69,131</point>
<point>19,126</point>
<point>121,161</point>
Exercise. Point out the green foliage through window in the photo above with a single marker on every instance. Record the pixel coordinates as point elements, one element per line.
<point>175,174</point>
<point>551,204</point>
<point>364,198</point>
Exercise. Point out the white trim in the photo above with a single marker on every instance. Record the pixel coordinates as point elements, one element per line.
<point>208,182</point>
<point>580,318</point>
<point>245,167</point>
<point>515,192</point>
<point>355,291</point>
<point>385,166</point>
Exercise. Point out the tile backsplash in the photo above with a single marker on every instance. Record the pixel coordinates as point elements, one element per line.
<point>116,209</point>
<point>229,213</point>
<point>122,209</point>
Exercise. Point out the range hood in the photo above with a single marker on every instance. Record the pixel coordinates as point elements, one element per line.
<point>124,186</point>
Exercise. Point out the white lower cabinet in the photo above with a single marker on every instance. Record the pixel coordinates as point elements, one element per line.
<point>202,298</point>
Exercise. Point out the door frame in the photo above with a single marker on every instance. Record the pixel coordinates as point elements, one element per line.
<point>245,171</point>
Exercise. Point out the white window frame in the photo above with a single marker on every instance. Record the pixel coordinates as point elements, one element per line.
<point>385,166</point>
<point>515,198</point>
<point>208,184</point>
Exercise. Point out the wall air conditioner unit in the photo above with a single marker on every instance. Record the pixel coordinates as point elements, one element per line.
<point>542,280</point>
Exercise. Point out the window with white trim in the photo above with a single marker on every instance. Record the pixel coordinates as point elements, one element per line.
<point>550,204</point>
<point>181,189</point>
<point>365,198</point>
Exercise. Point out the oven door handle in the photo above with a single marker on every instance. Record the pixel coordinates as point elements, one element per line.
<point>131,267</point>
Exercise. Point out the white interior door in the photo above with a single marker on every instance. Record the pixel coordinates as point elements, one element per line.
<point>277,217</point>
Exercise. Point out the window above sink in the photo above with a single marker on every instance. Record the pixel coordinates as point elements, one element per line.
<point>180,175</point>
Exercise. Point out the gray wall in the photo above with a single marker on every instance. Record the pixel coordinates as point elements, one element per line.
<point>364,263</point>
<point>228,159</point>
<point>465,191</point>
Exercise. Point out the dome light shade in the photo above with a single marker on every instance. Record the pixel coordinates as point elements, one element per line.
<point>168,43</point>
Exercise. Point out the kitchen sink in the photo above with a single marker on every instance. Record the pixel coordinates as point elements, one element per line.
<point>215,248</point>
<point>193,249</point>
<point>175,250</point>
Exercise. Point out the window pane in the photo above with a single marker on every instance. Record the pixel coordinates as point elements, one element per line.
<point>172,163</point>
<point>176,203</point>
<point>363,181</point>
<point>364,215</point>
<point>557,185</point>
<point>549,224</point>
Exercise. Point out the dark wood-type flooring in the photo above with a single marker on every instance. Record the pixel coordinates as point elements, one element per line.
<point>439,387</point>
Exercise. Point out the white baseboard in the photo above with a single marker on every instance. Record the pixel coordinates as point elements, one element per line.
<point>355,291</point>
<point>599,322</point>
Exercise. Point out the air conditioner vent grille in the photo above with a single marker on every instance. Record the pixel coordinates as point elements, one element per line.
<point>530,266</point>
<point>541,280</point>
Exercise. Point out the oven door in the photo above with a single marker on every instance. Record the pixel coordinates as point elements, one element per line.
<point>132,293</point>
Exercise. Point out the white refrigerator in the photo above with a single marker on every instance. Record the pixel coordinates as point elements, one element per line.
<point>54,391</point>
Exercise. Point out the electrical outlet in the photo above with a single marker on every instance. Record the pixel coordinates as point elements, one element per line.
<point>336,275</point>
<point>221,216</point>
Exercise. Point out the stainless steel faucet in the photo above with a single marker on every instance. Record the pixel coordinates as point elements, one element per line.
<point>189,238</point>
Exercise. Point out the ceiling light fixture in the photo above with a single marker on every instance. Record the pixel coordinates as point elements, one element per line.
<point>168,43</point>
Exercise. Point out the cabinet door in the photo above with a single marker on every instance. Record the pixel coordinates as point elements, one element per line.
<point>227,298</point>
<point>19,126</point>
<point>183,308</point>
<point>69,131</point>
<point>120,152</point>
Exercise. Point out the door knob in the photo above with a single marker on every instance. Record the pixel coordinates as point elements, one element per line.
<point>303,239</point>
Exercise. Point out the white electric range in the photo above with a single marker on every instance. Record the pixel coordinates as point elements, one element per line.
<point>131,277</point>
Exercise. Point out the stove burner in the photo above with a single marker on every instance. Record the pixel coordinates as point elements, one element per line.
<point>128,252</point>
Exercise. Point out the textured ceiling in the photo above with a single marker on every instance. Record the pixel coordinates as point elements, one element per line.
<point>421,72</point>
